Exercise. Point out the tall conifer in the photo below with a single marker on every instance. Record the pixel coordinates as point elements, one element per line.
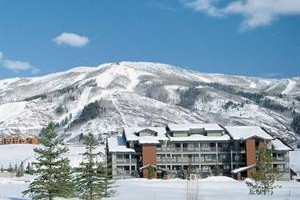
<point>51,167</point>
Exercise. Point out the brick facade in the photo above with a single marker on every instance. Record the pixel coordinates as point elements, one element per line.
<point>149,158</point>
<point>250,155</point>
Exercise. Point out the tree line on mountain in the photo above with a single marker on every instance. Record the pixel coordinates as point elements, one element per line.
<point>296,123</point>
<point>55,177</point>
<point>258,98</point>
<point>90,111</point>
<point>189,97</point>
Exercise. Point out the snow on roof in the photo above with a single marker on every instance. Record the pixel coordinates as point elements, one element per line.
<point>279,146</point>
<point>241,169</point>
<point>224,137</point>
<point>148,140</point>
<point>130,133</point>
<point>187,127</point>
<point>117,144</point>
<point>245,132</point>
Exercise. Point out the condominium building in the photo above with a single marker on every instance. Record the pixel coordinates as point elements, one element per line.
<point>177,150</point>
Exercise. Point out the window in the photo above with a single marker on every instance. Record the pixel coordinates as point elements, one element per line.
<point>226,167</point>
<point>223,156</point>
<point>177,145</point>
<point>280,167</point>
<point>208,157</point>
<point>132,168</point>
<point>212,144</point>
<point>237,158</point>
<point>204,146</point>
<point>280,156</point>
<point>185,145</point>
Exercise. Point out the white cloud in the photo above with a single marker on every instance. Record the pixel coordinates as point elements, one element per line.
<point>207,6</point>
<point>16,65</point>
<point>71,39</point>
<point>255,13</point>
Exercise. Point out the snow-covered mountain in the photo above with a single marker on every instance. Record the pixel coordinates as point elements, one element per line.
<point>114,95</point>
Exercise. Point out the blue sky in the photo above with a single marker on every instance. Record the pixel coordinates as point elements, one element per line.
<point>220,36</point>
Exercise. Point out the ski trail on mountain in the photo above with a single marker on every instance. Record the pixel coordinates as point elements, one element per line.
<point>290,86</point>
<point>83,101</point>
<point>118,109</point>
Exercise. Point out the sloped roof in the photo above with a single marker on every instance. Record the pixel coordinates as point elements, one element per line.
<point>279,146</point>
<point>148,140</point>
<point>118,144</point>
<point>245,132</point>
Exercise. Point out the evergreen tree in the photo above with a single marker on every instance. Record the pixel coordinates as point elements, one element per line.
<point>89,183</point>
<point>10,169</point>
<point>29,169</point>
<point>216,170</point>
<point>107,187</point>
<point>2,169</point>
<point>52,168</point>
<point>16,168</point>
<point>265,175</point>
<point>296,123</point>
<point>20,171</point>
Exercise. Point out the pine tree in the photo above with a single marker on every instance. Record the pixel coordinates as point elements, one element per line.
<point>52,168</point>
<point>10,169</point>
<point>20,171</point>
<point>2,169</point>
<point>89,184</point>
<point>16,168</point>
<point>265,175</point>
<point>29,169</point>
<point>107,181</point>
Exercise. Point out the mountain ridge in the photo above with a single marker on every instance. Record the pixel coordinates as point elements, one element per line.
<point>143,94</point>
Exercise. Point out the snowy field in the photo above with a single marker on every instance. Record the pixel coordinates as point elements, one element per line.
<point>213,188</point>
<point>17,153</point>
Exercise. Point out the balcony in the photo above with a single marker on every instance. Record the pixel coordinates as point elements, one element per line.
<point>210,160</point>
<point>280,159</point>
<point>126,161</point>
<point>123,172</point>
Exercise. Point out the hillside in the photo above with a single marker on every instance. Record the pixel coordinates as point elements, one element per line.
<point>105,98</point>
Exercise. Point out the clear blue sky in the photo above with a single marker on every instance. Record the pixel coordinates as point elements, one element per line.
<point>209,37</point>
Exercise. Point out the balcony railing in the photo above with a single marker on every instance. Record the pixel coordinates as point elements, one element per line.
<point>280,159</point>
<point>123,172</point>
<point>126,161</point>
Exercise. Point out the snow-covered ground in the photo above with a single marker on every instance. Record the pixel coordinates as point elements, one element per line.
<point>17,153</point>
<point>212,188</point>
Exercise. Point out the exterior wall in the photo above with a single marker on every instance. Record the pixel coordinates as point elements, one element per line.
<point>199,157</point>
<point>250,155</point>
<point>281,162</point>
<point>195,157</point>
<point>18,140</point>
<point>122,165</point>
<point>149,158</point>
